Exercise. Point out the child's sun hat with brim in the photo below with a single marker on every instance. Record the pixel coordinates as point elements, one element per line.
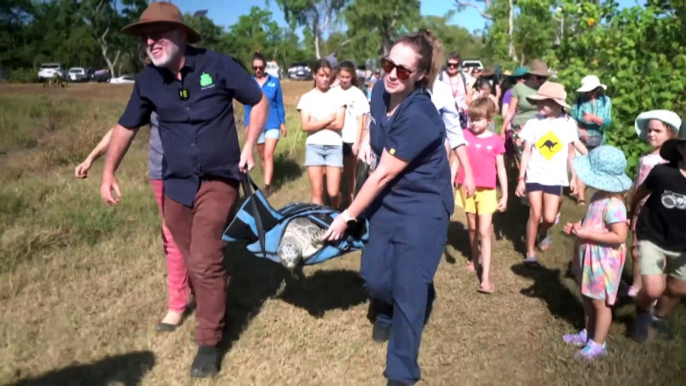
<point>553,91</point>
<point>669,118</point>
<point>603,169</point>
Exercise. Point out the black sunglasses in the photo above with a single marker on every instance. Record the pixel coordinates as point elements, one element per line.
<point>453,64</point>
<point>258,68</point>
<point>402,72</point>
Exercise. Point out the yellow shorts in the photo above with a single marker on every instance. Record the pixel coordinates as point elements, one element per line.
<point>484,201</point>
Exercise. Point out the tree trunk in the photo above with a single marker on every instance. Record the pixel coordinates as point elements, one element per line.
<point>386,44</point>
<point>510,31</point>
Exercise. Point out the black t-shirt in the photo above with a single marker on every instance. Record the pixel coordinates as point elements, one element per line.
<point>662,220</point>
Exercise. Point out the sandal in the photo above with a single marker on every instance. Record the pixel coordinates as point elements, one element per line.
<point>545,243</point>
<point>531,261</point>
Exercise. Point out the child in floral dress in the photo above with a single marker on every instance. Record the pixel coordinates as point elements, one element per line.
<point>600,249</point>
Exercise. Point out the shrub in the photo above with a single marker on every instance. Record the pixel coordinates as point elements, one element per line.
<point>24,75</point>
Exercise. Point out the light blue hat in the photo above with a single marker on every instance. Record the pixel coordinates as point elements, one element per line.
<point>603,169</point>
<point>670,118</point>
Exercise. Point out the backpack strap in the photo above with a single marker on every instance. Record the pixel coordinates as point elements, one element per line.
<point>464,81</point>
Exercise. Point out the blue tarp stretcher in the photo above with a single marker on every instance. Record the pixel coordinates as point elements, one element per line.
<point>262,227</point>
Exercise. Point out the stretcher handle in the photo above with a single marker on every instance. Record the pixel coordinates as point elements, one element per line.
<point>249,190</point>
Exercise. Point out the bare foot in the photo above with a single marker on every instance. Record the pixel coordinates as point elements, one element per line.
<point>470,266</point>
<point>486,288</point>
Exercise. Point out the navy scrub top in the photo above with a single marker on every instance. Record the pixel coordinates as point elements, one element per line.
<point>416,134</point>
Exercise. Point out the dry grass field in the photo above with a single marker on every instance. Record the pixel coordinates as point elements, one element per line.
<point>82,284</point>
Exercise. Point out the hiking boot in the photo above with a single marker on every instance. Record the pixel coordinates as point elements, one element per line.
<point>578,340</point>
<point>380,334</point>
<point>206,362</point>
<point>591,351</point>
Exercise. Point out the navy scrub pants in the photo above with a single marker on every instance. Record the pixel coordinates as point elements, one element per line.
<point>398,266</point>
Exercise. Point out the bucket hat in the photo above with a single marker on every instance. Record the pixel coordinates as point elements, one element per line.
<point>670,149</point>
<point>669,118</point>
<point>161,13</point>
<point>603,169</point>
<point>551,90</point>
<point>539,68</point>
<point>590,83</point>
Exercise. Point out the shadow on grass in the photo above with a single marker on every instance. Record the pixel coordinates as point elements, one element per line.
<point>254,280</point>
<point>285,170</point>
<point>548,286</point>
<point>458,237</point>
<point>126,369</point>
<point>511,224</point>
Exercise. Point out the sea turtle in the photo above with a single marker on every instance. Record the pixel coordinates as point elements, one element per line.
<point>300,241</point>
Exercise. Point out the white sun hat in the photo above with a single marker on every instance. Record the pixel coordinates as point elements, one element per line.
<point>590,83</point>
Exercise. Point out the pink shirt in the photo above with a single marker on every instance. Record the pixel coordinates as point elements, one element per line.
<point>482,153</point>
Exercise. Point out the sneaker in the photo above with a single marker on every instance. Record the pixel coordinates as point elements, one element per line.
<point>206,362</point>
<point>591,351</point>
<point>662,328</point>
<point>380,334</point>
<point>642,326</point>
<point>578,340</point>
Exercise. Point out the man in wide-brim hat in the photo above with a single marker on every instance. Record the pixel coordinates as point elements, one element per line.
<point>191,90</point>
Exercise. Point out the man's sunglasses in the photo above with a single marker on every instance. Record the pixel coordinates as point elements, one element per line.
<point>402,72</point>
<point>258,68</point>
<point>453,64</point>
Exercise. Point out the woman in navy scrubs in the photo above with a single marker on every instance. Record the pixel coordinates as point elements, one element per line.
<point>408,200</point>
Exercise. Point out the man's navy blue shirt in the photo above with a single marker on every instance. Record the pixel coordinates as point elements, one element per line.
<point>197,131</point>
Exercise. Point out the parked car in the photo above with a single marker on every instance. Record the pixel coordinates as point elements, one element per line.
<point>80,74</point>
<point>300,71</point>
<point>273,69</point>
<point>470,63</point>
<point>101,76</point>
<point>48,70</point>
<point>123,79</point>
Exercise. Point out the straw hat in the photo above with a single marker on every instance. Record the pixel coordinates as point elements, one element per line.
<point>590,83</point>
<point>539,68</point>
<point>161,13</point>
<point>553,91</point>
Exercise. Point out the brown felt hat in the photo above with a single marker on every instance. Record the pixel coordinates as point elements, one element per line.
<point>161,13</point>
<point>539,68</point>
<point>553,91</point>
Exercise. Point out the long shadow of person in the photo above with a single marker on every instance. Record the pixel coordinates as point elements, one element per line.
<point>254,280</point>
<point>548,286</point>
<point>458,238</point>
<point>127,369</point>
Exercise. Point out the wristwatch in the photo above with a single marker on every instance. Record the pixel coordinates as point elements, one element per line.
<point>346,216</point>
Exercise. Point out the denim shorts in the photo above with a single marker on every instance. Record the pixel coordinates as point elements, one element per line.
<point>269,133</point>
<point>550,189</point>
<point>324,155</point>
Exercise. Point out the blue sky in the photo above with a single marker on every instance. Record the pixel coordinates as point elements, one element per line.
<point>223,14</point>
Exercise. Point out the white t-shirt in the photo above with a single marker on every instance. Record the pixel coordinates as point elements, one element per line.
<point>550,140</point>
<point>442,98</point>
<point>356,104</point>
<point>321,105</point>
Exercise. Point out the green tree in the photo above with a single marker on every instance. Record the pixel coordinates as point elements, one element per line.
<point>385,18</point>
<point>318,15</point>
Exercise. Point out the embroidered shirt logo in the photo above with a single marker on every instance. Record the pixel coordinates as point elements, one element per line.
<point>206,80</point>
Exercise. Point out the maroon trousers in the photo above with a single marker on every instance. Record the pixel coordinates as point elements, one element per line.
<point>198,231</point>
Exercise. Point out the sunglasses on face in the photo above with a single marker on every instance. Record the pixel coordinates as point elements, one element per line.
<point>402,72</point>
<point>258,68</point>
<point>453,65</point>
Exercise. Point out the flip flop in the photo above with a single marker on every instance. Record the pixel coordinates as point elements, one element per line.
<point>486,291</point>
<point>545,243</point>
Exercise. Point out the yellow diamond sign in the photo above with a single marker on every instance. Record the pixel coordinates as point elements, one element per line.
<point>549,145</point>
